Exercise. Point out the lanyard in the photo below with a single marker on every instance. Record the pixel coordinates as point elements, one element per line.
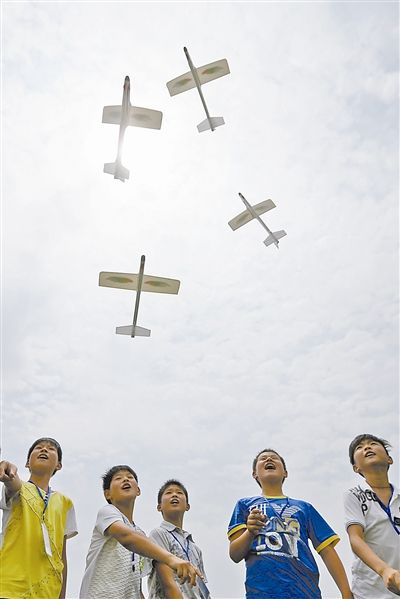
<point>185,551</point>
<point>45,497</point>
<point>285,505</point>
<point>386,509</point>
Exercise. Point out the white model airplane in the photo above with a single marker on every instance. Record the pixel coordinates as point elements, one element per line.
<point>197,78</point>
<point>124,116</point>
<point>140,282</point>
<point>254,212</point>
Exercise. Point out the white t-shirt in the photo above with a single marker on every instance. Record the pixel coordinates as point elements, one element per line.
<point>109,573</point>
<point>363,507</point>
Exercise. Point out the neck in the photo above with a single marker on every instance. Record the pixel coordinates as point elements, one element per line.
<point>126,509</point>
<point>41,480</point>
<point>175,518</point>
<point>377,480</point>
<point>272,489</point>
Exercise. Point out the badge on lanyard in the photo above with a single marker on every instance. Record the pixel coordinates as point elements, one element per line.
<point>46,539</point>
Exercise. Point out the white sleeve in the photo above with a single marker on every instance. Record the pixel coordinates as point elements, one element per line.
<point>107,515</point>
<point>352,509</point>
<point>71,527</point>
<point>6,502</point>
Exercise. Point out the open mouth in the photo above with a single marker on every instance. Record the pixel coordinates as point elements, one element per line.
<point>369,453</point>
<point>126,486</point>
<point>270,467</point>
<point>43,456</point>
<point>174,502</point>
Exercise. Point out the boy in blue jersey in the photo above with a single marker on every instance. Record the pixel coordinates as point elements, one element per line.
<point>271,531</point>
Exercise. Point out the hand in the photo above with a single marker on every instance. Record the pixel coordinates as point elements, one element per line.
<point>255,522</point>
<point>391,578</point>
<point>185,571</point>
<point>8,472</point>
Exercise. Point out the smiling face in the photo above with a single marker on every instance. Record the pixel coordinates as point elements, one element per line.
<point>43,459</point>
<point>123,488</point>
<point>173,501</point>
<point>269,468</point>
<point>370,455</point>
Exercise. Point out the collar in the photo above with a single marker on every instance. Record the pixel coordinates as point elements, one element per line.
<point>364,486</point>
<point>172,528</point>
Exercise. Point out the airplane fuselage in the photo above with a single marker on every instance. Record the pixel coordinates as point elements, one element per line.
<point>124,116</point>
<point>198,85</point>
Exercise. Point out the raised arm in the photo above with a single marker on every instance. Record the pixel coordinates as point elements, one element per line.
<point>389,575</point>
<point>10,478</point>
<point>139,543</point>
<point>336,570</point>
<point>241,541</point>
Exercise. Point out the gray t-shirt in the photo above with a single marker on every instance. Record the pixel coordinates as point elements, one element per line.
<point>180,543</point>
<point>109,573</point>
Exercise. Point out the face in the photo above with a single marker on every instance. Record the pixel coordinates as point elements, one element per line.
<point>269,467</point>
<point>43,459</point>
<point>370,454</point>
<point>173,500</point>
<point>123,488</point>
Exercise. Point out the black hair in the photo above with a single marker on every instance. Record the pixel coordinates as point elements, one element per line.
<point>264,451</point>
<point>169,483</point>
<point>108,476</point>
<point>364,437</point>
<point>46,440</point>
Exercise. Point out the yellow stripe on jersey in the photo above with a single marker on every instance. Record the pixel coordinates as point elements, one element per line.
<point>331,541</point>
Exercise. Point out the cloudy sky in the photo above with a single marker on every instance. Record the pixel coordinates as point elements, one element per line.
<point>295,349</point>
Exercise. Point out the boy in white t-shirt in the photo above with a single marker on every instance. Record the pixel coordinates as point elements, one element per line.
<point>115,561</point>
<point>372,511</point>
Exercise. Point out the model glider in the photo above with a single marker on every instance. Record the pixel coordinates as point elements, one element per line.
<point>197,78</point>
<point>254,212</point>
<point>124,116</point>
<point>139,282</point>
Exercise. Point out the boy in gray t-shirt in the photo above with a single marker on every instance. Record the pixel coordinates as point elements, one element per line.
<point>173,502</point>
<point>115,562</point>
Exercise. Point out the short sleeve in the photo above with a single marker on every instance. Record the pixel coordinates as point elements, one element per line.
<point>320,533</point>
<point>238,519</point>
<point>158,536</point>
<point>71,527</point>
<point>6,502</point>
<point>106,516</point>
<point>353,513</point>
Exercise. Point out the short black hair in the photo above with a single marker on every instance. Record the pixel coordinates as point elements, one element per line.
<point>364,437</point>
<point>169,483</point>
<point>264,451</point>
<point>108,476</point>
<point>46,440</point>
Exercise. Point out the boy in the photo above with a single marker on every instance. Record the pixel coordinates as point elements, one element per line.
<point>173,502</point>
<point>113,566</point>
<point>271,532</point>
<point>37,521</point>
<point>372,512</point>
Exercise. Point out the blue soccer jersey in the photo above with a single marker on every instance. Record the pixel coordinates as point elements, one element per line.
<point>280,563</point>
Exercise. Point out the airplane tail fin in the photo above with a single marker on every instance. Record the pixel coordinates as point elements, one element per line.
<point>133,331</point>
<point>212,123</point>
<point>116,169</point>
<point>276,235</point>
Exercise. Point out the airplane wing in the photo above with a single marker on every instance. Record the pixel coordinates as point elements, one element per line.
<point>245,216</point>
<point>207,73</point>
<point>138,117</point>
<point>144,117</point>
<point>122,280</point>
<point>112,115</point>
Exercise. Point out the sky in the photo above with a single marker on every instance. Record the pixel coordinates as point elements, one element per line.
<point>295,349</point>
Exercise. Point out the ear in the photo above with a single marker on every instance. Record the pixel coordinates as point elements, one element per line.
<point>59,466</point>
<point>390,460</point>
<point>159,508</point>
<point>355,469</point>
<point>254,475</point>
<point>187,508</point>
<point>285,474</point>
<point>107,494</point>
<point>139,491</point>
